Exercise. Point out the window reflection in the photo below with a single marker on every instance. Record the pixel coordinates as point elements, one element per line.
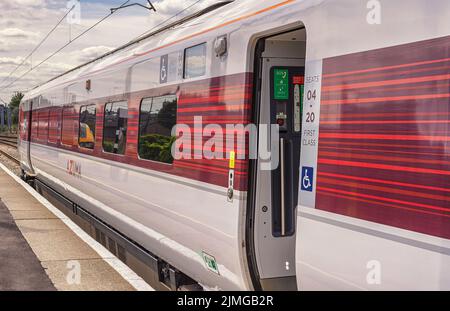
<point>195,61</point>
<point>115,127</point>
<point>156,119</point>
<point>86,138</point>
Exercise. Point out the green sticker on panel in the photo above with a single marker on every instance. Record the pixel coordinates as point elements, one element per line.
<point>210,262</point>
<point>281,84</point>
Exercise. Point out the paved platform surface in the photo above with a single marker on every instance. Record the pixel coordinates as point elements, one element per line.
<point>38,251</point>
<point>20,269</point>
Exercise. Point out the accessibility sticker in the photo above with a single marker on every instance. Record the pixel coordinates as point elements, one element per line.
<point>307,178</point>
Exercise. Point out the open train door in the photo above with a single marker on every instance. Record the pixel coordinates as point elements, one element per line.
<point>274,183</point>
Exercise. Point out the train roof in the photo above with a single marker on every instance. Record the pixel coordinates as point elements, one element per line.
<point>220,13</point>
<point>150,34</point>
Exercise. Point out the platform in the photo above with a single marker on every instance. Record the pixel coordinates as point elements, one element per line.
<point>41,249</point>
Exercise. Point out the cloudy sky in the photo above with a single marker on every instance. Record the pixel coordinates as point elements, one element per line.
<point>24,23</point>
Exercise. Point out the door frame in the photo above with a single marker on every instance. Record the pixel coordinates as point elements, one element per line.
<point>253,163</point>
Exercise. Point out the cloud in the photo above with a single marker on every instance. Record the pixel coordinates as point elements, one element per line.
<point>15,39</point>
<point>46,72</point>
<point>10,61</point>
<point>16,33</point>
<point>171,8</point>
<point>91,53</point>
<point>32,3</point>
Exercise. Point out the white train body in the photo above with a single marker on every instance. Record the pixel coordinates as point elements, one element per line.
<point>181,211</point>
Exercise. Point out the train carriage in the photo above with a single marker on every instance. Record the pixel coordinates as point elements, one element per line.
<point>348,191</point>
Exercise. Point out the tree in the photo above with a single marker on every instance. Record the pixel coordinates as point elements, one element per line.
<point>14,106</point>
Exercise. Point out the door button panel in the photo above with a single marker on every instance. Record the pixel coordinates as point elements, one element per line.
<point>286,110</point>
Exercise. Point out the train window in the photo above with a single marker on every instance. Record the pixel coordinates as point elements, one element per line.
<point>43,124</point>
<point>157,117</point>
<point>195,61</point>
<point>115,127</point>
<point>69,122</point>
<point>34,124</point>
<point>54,125</point>
<point>23,119</point>
<point>86,133</point>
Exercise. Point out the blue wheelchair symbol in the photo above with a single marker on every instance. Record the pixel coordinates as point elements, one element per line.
<point>307,178</point>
